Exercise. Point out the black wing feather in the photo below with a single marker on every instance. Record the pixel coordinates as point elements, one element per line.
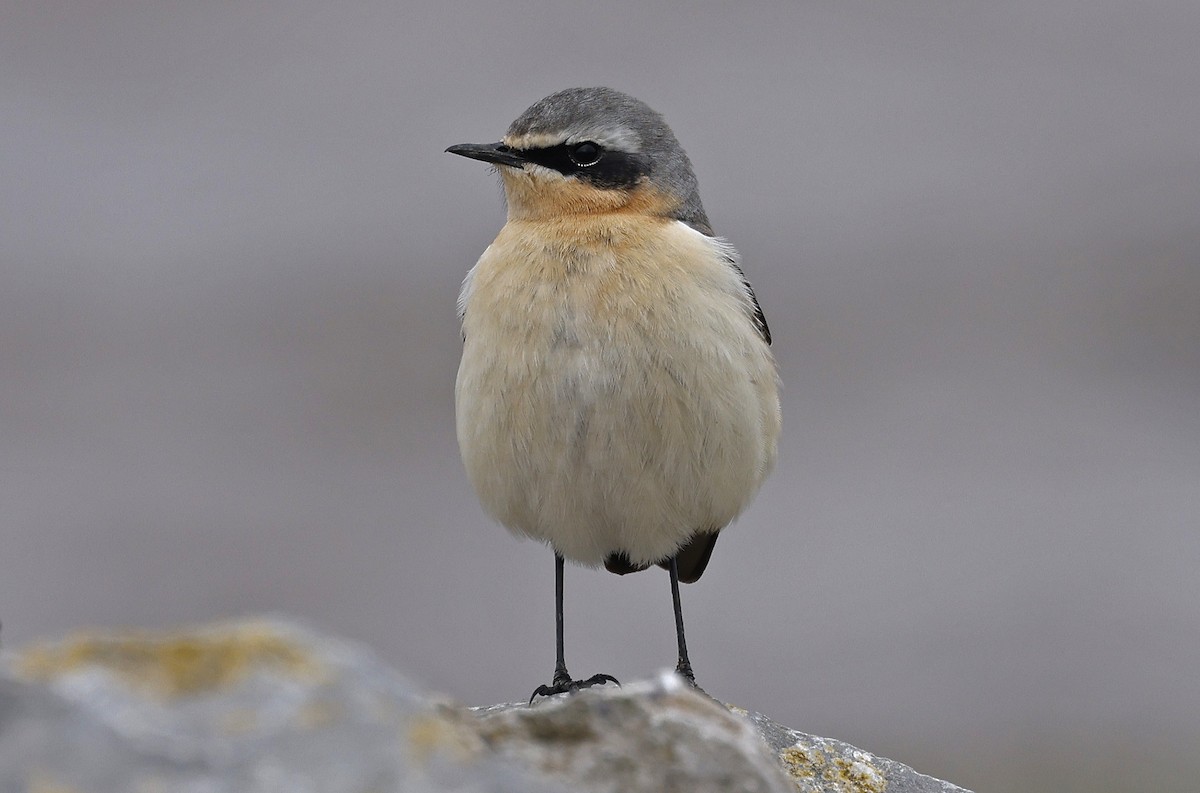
<point>760,321</point>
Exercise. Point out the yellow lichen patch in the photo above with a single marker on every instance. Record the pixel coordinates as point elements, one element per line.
<point>812,769</point>
<point>856,774</point>
<point>803,765</point>
<point>173,664</point>
<point>801,760</point>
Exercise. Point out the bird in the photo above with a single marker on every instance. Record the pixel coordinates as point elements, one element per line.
<point>617,397</point>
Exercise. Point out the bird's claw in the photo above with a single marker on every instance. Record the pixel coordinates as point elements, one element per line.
<point>568,686</point>
<point>684,670</point>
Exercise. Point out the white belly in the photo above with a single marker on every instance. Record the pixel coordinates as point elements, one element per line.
<point>606,403</point>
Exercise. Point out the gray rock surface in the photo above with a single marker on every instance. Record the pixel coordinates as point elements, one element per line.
<point>268,705</point>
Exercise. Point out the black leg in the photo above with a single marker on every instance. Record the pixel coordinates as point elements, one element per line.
<point>684,667</point>
<point>562,678</point>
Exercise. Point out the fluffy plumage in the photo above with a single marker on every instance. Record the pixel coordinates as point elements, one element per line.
<point>617,397</point>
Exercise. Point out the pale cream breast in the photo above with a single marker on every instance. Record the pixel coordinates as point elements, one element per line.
<point>613,394</point>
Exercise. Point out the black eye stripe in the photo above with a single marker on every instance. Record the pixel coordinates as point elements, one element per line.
<point>610,170</point>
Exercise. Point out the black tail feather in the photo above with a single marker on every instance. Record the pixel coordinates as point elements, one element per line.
<point>693,557</point>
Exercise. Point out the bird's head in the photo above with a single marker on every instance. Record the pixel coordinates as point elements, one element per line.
<point>590,151</point>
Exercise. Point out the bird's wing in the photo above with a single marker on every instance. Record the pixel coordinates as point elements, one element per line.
<point>731,257</point>
<point>760,321</point>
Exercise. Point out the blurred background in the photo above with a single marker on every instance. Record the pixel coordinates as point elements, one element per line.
<point>230,247</point>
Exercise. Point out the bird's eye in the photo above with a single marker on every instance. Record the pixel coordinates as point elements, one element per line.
<point>585,154</point>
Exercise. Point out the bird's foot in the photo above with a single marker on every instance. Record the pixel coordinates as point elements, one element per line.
<point>563,684</point>
<point>684,670</point>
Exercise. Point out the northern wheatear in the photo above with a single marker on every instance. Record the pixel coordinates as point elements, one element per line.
<point>617,397</point>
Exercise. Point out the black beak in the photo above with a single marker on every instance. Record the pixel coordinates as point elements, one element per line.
<point>496,153</point>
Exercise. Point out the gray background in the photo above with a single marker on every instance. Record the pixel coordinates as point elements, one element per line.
<point>230,246</point>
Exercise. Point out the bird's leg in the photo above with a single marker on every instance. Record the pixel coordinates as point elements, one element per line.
<point>562,678</point>
<point>561,675</point>
<point>684,667</point>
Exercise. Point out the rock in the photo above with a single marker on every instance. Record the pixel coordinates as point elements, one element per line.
<point>268,705</point>
<point>655,736</point>
<point>823,764</point>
